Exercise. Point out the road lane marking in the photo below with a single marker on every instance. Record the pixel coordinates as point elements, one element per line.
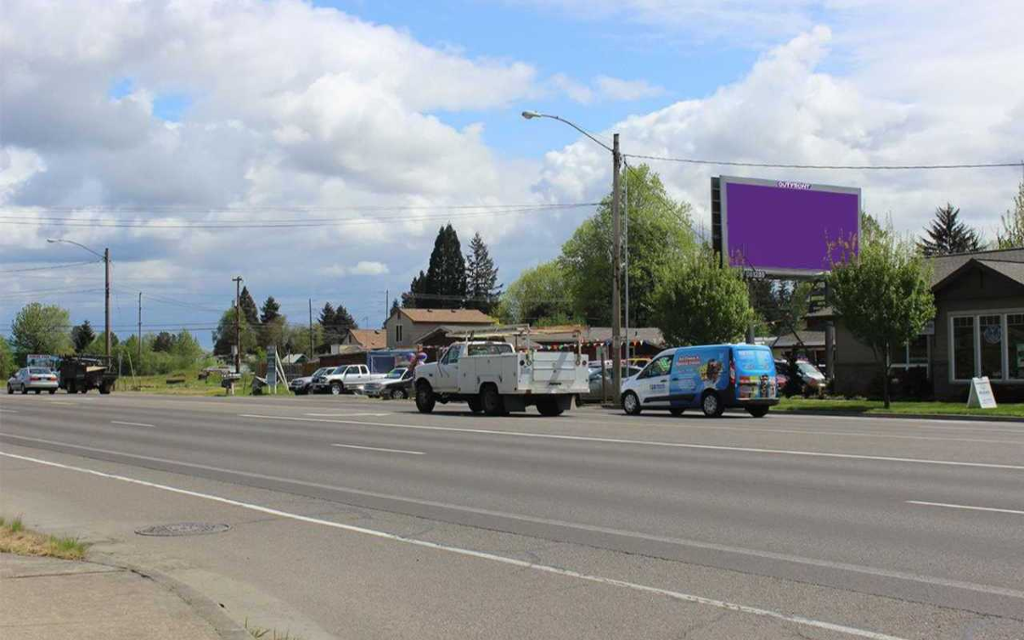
<point>769,555</point>
<point>964,506</point>
<point>346,415</point>
<point>8,411</point>
<point>133,424</point>
<point>355,446</point>
<point>652,443</point>
<point>568,573</point>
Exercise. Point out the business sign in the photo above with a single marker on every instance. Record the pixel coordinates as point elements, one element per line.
<point>787,229</point>
<point>981,396</point>
<point>271,365</point>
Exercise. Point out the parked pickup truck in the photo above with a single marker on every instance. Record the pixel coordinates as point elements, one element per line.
<point>79,374</point>
<point>346,378</point>
<point>491,377</point>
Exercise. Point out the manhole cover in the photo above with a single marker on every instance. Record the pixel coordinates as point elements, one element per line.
<point>183,529</point>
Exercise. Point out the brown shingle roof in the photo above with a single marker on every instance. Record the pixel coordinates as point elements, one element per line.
<point>370,338</point>
<point>449,316</point>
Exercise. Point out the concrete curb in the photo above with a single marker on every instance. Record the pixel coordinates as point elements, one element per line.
<point>204,607</point>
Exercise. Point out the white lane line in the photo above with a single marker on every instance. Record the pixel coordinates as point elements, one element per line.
<point>133,424</point>
<point>8,411</point>
<point>683,542</point>
<point>653,443</point>
<point>346,415</point>
<point>964,506</point>
<point>568,573</point>
<point>355,446</point>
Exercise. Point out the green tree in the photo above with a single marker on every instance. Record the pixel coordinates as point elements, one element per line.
<point>698,302</point>
<point>43,329</point>
<point>82,336</point>
<point>7,365</point>
<point>224,335</point>
<point>444,285</point>
<point>335,324</point>
<point>272,324</point>
<point>883,294</point>
<point>482,288</point>
<point>249,311</point>
<point>1011,236</point>
<point>948,234</point>
<point>538,297</point>
<point>164,342</point>
<point>660,235</point>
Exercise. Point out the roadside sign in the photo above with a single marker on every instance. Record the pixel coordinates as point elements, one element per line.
<point>981,396</point>
<point>271,365</point>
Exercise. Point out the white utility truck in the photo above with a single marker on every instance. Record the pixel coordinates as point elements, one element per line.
<point>494,378</point>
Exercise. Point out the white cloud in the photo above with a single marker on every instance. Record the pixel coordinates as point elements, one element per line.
<point>619,89</point>
<point>362,268</point>
<point>575,91</point>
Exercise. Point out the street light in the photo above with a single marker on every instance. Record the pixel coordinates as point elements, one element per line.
<point>106,299</point>
<point>616,245</point>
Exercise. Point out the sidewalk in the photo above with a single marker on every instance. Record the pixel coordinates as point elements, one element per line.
<point>46,598</point>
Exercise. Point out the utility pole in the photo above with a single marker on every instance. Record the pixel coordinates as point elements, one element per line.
<point>238,323</point>
<point>616,273</point>
<point>140,328</point>
<point>106,304</point>
<point>310,329</point>
<point>387,304</point>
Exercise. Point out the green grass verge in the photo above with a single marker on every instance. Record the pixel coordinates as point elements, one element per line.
<point>840,405</point>
<point>16,539</point>
<point>187,383</point>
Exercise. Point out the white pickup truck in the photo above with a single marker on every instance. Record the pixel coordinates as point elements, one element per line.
<point>345,379</point>
<point>491,377</point>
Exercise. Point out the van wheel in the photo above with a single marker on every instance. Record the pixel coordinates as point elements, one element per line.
<point>425,400</point>
<point>711,404</point>
<point>758,412</point>
<point>631,404</point>
<point>493,403</point>
<point>475,405</point>
<point>676,412</point>
<point>549,408</point>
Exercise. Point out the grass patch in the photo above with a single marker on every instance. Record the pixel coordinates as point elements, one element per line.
<point>187,383</point>
<point>907,407</point>
<point>264,633</point>
<point>16,539</point>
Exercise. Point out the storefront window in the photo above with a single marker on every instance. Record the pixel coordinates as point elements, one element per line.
<point>1015,340</point>
<point>991,329</point>
<point>963,348</point>
<point>918,349</point>
<point>899,354</point>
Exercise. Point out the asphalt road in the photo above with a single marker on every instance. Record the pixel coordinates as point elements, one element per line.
<point>357,518</point>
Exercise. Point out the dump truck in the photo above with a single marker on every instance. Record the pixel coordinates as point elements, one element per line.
<point>79,374</point>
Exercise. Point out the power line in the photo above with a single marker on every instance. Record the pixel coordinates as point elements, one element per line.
<point>62,265</point>
<point>842,167</point>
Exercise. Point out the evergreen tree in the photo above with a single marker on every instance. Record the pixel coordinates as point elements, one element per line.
<point>446,274</point>
<point>412,299</point>
<point>394,306</point>
<point>335,323</point>
<point>82,335</point>
<point>270,311</point>
<point>249,310</point>
<point>947,234</point>
<point>482,288</point>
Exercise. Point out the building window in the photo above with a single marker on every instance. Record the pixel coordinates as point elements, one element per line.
<point>991,346</point>
<point>963,348</point>
<point>398,333</point>
<point>913,354</point>
<point>1015,345</point>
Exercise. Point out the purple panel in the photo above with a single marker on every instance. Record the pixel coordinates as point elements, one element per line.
<point>787,228</point>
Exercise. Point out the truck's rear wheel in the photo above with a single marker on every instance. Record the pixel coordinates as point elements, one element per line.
<point>549,408</point>
<point>493,403</point>
<point>475,405</point>
<point>425,400</point>
<point>105,389</point>
<point>71,387</point>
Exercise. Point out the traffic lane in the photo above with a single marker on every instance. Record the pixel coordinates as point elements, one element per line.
<point>348,585</point>
<point>638,506</point>
<point>1001,447</point>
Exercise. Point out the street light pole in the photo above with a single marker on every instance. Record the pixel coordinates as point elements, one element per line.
<point>106,298</point>
<point>616,246</point>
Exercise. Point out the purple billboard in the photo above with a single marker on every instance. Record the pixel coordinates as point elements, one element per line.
<point>784,228</point>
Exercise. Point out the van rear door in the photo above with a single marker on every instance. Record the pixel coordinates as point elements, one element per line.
<point>755,373</point>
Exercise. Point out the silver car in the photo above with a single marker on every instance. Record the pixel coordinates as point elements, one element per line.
<point>36,379</point>
<point>595,381</point>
